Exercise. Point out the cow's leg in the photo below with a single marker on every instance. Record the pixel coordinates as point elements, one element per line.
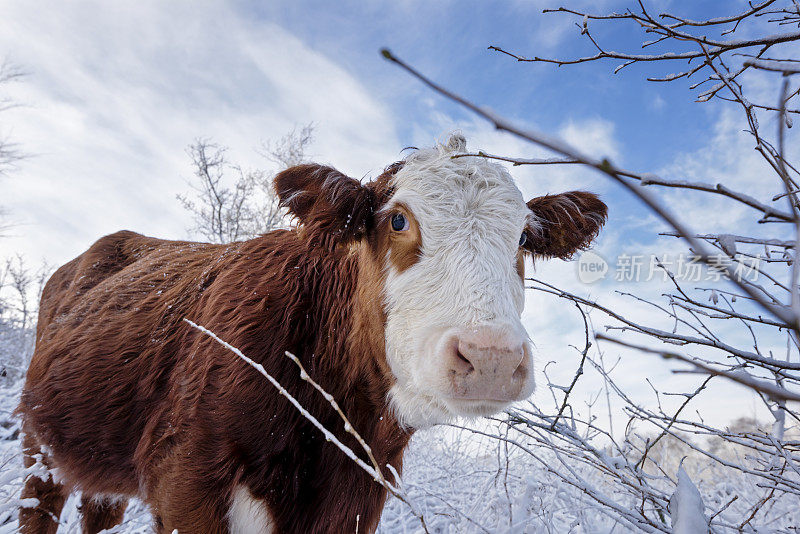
<point>99,513</point>
<point>182,499</point>
<point>43,519</point>
<point>199,518</point>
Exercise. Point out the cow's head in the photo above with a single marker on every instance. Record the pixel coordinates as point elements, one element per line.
<point>449,236</point>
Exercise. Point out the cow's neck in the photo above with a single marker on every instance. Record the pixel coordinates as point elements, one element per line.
<point>344,295</point>
<point>349,358</point>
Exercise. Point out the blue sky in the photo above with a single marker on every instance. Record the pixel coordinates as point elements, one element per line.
<point>449,41</point>
<point>260,67</point>
<point>115,93</point>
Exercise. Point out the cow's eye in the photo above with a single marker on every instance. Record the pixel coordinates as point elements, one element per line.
<point>399,222</point>
<point>523,239</point>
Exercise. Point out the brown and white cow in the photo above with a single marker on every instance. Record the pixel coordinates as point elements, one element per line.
<point>402,297</point>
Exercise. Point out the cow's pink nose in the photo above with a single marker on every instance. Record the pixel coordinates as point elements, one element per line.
<point>489,363</point>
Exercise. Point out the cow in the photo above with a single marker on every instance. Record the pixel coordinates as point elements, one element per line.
<point>402,297</point>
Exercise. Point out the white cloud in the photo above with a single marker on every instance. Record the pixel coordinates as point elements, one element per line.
<point>657,103</point>
<point>592,136</point>
<point>116,92</point>
<point>728,158</point>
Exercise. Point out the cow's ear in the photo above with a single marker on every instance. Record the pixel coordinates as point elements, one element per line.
<point>563,224</point>
<point>330,207</point>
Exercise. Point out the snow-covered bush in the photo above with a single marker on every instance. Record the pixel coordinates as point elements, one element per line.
<point>20,288</point>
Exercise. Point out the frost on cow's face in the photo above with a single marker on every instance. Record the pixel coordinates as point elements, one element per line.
<point>449,235</point>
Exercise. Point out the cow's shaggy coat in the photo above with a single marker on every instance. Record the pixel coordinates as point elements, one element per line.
<point>123,398</point>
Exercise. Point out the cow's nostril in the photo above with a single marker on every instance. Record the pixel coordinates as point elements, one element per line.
<point>464,359</point>
<point>521,372</point>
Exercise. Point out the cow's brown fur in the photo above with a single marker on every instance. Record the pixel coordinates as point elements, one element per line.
<point>126,399</point>
<point>568,222</point>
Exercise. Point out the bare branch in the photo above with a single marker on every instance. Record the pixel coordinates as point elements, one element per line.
<point>783,66</point>
<point>737,376</point>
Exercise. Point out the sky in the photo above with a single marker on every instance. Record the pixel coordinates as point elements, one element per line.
<point>115,92</point>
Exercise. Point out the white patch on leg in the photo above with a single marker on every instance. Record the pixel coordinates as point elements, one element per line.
<point>248,515</point>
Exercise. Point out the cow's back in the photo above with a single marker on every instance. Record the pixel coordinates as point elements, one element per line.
<point>102,362</point>
<point>104,258</point>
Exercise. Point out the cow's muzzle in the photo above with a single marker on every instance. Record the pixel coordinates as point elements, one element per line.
<point>487,363</point>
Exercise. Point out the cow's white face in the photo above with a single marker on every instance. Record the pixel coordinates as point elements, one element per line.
<point>454,339</point>
<point>448,237</point>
